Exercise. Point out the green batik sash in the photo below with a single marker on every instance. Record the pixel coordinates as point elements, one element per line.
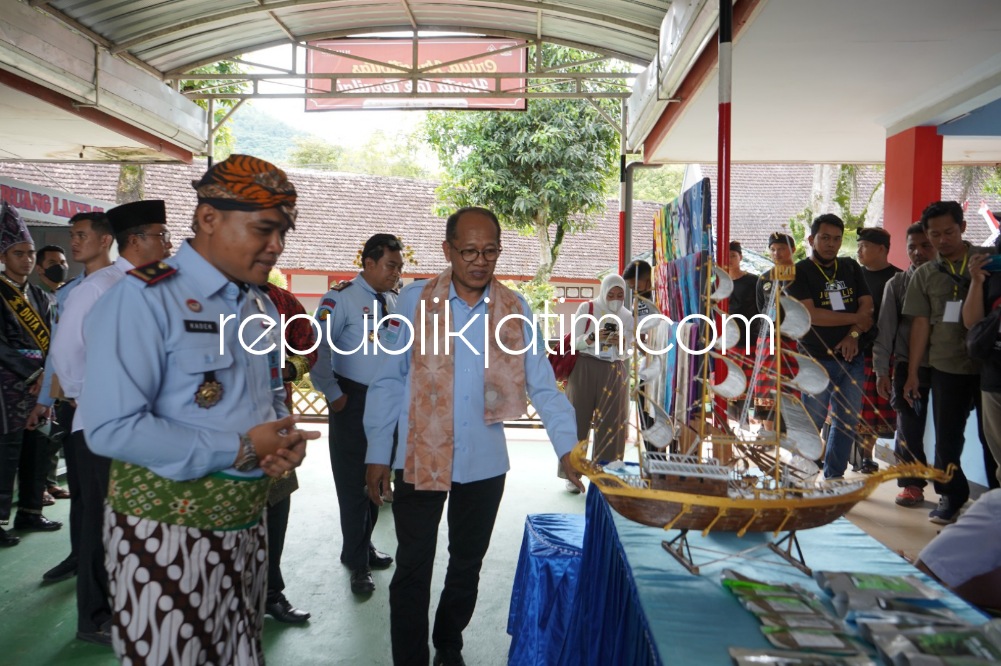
<point>215,502</point>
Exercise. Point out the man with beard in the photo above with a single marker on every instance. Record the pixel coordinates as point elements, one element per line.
<point>834,291</point>
<point>193,416</point>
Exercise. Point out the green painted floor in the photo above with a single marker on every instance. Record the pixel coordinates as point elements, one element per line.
<point>38,622</point>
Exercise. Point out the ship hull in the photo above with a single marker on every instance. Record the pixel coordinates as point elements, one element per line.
<point>688,514</point>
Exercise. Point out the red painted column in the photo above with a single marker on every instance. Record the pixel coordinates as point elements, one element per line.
<point>913,180</point>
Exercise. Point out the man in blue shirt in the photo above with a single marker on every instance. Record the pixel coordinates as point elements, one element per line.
<point>189,404</point>
<point>351,315</point>
<point>448,388</point>
<point>134,225</point>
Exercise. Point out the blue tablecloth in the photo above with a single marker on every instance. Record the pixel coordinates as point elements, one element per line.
<point>544,586</point>
<point>636,605</point>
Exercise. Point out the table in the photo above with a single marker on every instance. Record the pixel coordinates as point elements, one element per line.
<point>545,583</point>
<point>634,604</point>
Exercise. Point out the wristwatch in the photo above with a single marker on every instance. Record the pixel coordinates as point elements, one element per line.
<point>246,460</point>
<point>855,334</point>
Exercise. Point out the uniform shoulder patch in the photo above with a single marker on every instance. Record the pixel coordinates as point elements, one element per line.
<point>342,285</point>
<point>153,272</point>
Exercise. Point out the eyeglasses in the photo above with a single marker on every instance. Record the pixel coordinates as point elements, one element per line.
<point>469,255</point>
<point>164,235</point>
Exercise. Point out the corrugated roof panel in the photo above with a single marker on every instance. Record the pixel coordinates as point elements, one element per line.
<point>175,34</point>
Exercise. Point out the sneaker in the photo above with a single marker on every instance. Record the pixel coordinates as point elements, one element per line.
<point>869,467</point>
<point>910,496</point>
<point>571,488</point>
<point>946,512</point>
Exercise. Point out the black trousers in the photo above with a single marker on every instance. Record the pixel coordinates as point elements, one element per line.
<point>953,397</point>
<point>909,444</point>
<point>277,525</point>
<point>93,598</point>
<point>348,447</point>
<point>22,457</point>
<point>472,510</point>
<point>64,412</point>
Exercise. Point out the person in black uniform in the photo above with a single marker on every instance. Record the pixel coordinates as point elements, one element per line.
<point>25,329</point>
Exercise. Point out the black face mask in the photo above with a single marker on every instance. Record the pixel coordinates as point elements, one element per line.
<point>56,273</point>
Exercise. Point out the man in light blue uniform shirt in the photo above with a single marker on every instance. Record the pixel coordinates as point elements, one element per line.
<point>141,230</point>
<point>196,425</point>
<point>349,317</point>
<point>454,453</point>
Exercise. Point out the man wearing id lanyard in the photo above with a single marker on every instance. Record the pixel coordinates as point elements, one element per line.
<point>350,317</point>
<point>834,290</point>
<point>935,300</point>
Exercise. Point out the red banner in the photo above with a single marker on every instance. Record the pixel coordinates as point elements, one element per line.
<point>368,71</point>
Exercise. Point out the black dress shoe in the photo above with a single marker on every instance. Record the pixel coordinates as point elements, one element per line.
<point>7,539</point>
<point>99,637</point>
<point>448,657</point>
<point>280,609</point>
<point>62,571</point>
<point>378,559</point>
<point>361,581</point>
<point>35,522</point>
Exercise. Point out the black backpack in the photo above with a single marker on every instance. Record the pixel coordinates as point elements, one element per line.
<point>984,338</point>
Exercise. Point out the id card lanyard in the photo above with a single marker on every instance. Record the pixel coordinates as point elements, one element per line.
<point>954,308</point>
<point>837,302</point>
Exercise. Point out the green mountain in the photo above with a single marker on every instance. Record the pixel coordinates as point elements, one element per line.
<point>262,135</point>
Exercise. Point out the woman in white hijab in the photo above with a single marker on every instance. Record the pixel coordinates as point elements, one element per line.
<point>598,387</point>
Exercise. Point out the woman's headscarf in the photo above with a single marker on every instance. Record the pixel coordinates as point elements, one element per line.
<point>601,302</point>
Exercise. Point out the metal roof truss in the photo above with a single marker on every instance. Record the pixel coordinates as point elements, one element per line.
<point>560,82</point>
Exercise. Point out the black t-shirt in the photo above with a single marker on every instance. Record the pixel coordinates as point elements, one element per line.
<point>876,281</point>
<point>990,371</point>
<point>743,301</point>
<point>816,283</point>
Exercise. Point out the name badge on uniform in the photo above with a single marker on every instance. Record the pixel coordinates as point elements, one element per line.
<point>837,302</point>
<point>953,309</point>
<point>391,333</point>
<point>274,366</point>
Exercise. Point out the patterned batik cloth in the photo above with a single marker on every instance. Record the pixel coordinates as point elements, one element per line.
<point>877,418</point>
<point>180,595</point>
<point>430,440</point>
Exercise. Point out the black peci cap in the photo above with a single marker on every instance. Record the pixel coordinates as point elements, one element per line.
<point>137,214</point>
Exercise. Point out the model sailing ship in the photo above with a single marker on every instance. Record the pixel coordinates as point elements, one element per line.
<point>699,470</point>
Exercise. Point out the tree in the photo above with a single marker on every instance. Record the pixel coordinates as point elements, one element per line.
<point>661,185</point>
<point>223,142</point>
<point>315,153</point>
<point>402,154</point>
<point>132,177</point>
<point>542,171</point>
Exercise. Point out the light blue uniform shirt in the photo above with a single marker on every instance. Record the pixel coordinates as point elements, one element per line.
<point>44,397</point>
<point>350,314</point>
<point>159,343</point>
<point>480,450</point>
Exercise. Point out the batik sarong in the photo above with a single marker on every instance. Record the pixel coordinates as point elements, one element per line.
<point>181,595</point>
